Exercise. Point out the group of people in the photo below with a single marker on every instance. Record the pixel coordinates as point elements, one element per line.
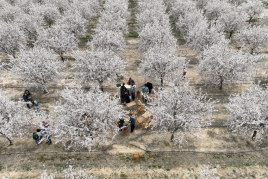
<point>30,103</point>
<point>44,134</point>
<point>128,95</point>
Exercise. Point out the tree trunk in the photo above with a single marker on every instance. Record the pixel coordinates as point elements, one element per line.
<point>250,19</point>
<point>101,86</point>
<point>10,141</point>
<point>251,51</point>
<point>231,33</point>
<point>221,82</point>
<point>162,81</point>
<point>172,137</point>
<point>14,54</point>
<point>61,57</point>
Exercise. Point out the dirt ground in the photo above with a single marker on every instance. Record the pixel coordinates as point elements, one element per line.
<point>232,156</point>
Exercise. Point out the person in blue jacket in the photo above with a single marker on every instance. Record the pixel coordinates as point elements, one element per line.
<point>132,122</point>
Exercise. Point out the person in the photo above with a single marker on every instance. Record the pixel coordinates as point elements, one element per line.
<point>133,91</point>
<point>120,123</point>
<point>130,81</point>
<point>123,90</point>
<point>150,86</point>
<point>36,138</point>
<point>145,91</point>
<point>127,97</point>
<point>132,122</point>
<point>26,97</point>
<point>36,106</point>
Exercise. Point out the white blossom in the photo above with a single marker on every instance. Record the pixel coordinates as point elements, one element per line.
<point>14,118</point>
<point>233,20</point>
<point>162,64</point>
<point>59,40</point>
<point>253,37</point>
<point>201,35</point>
<point>219,64</point>
<point>12,39</point>
<point>249,112</point>
<point>86,119</point>
<point>98,66</point>
<point>180,111</point>
<point>37,66</point>
<point>253,8</point>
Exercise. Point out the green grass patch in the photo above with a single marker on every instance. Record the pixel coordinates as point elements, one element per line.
<point>132,34</point>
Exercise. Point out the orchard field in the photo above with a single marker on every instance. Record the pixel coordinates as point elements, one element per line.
<point>210,123</point>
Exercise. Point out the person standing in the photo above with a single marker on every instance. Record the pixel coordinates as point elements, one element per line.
<point>123,90</point>
<point>150,86</point>
<point>36,137</point>
<point>133,92</point>
<point>132,122</point>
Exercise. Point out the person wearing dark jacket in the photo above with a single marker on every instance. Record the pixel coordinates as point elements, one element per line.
<point>132,122</point>
<point>36,137</point>
<point>150,86</point>
<point>123,90</point>
<point>26,97</point>
<point>121,123</point>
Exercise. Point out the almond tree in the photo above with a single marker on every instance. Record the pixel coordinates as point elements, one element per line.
<point>201,35</point>
<point>189,20</point>
<point>180,111</point>
<point>253,8</point>
<point>12,39</point>
<point>88,9</point>
<point>37,66</point>
<point>233,20</point>
<point>99,66</point>
<point>162,64</point>
<point>30,25</point>
<point>214,9</point>
<point>86,119</point>
<point>14,117</point>
<point>249,113</point>
<point>219,64</point>
<point>108,39</point>
<point>253,37</point>
<point>57,39</point>
<point>73,22</point>
<point>155,35</point>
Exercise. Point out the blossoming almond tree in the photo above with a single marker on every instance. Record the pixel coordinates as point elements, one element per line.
<point>253,37</point>
<point>201,35</point>
<point>253,8</point>
<point>98,65</point>
<point>233,20</point>
<point>14,117</point>
<point>219,64</point>
<point>86,119</point>
<point>57,39</point>
<point>12,39</point>
<point>162,64</point>
<point>37,66</point>
<point>249,114</point>
<point>179,111</point>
